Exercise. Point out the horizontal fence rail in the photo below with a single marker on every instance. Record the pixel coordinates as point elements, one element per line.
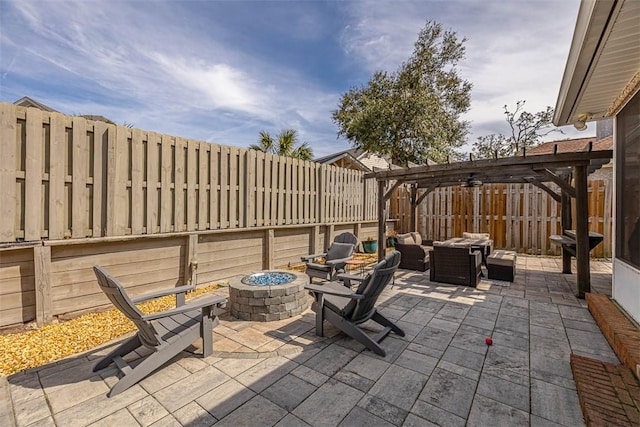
<point>68,177</point>
<point>520,217</point>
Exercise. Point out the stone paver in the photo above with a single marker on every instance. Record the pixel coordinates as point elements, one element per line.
<point>449,391</point>
<point>399,386</point>
<point>337,396</point>
<point>485,412</point>
<point>289,392</point>
<point>259,411</point>
<point>280,373</point>
<point>555,403</point>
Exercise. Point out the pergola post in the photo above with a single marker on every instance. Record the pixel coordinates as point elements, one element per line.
<point>413,224</point>
<point>582,230</point>
<point>566,223</point>
<point>381,219</point>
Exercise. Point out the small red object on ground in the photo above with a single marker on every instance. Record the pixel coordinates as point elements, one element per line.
<point>488,341</point>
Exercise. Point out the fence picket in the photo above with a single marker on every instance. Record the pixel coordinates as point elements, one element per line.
<point>224,187</point>
<point>100,142</point>
<point>33,176</point>
<point>166,172</point>
<point>137,181</point>
<point>203,186</point>
<point>57,163</point>
<point>214,200</point>
<point>8,162</point>
<point>152,182</point>
<point>192,178</point>
<point>179,186</point>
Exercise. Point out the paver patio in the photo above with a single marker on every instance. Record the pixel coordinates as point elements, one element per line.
<point>281,373</point>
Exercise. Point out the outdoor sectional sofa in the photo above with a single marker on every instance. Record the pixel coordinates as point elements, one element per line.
<point>455,264</point>
<point>414,256</point>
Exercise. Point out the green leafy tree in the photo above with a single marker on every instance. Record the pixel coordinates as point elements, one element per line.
<point>527,130</point>
<point>414,113</point>
<point>285,145</point>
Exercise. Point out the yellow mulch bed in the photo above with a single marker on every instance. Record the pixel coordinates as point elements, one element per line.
<point>56,341</point>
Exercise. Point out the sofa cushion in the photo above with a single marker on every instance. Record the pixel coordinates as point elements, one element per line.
<point>475,235</point>
<point>417,238</point>
<point>405,239</point>
<point>501,257</point>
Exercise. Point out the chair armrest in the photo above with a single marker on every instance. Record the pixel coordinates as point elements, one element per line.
<point>162,293</point>
<point>311,257</point>
<point>351,277</point>
<point>193,305</point>
<point>338,261</point>
<point>339,290</point>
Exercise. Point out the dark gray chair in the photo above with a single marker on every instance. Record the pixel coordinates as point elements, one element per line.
<point>340,251</point>
<point>346,309</point>
<point>166,333</point>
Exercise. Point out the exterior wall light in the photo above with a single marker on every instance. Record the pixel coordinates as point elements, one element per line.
<point>581,124</point>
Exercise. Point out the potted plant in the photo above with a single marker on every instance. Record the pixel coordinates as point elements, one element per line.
<point>370,245</point>
<point>391,233</point>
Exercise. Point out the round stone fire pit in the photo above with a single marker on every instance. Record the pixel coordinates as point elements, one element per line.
<point>268,295</point>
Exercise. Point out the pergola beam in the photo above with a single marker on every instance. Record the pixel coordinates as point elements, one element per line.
<point>546,189</point>
<point>564,185</point>
<point>388,194</point>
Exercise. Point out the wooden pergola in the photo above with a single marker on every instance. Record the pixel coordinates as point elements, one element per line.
<point>539,170</point>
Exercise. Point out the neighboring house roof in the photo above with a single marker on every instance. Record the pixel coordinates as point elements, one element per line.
<point>360,158</point>
<point>572,145</point>
<point>346,156</point>
<point>97,118</point>
<point>25,101</point>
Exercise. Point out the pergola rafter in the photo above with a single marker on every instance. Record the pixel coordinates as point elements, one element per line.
<point>538,170</point>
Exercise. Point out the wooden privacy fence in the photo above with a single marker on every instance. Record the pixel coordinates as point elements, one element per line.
<point>520,217</point>
<point>155,210</point>
<point>68,177</point>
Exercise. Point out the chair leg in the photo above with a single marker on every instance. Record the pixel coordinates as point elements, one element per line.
<point>380,319</point>
<point>125,348</point>
<point>355,332</point>
<point>318,308</point>
<point>155,360</point>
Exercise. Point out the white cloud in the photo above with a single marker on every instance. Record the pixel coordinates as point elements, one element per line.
<point>515,50</point>
<point>179,68</point>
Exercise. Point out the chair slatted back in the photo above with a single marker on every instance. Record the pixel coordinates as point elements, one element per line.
<point>371,287</point>
<point>118,297</point>
<point>347,237</point>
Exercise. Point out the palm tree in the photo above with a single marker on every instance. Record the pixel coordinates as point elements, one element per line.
<point>285,145</point>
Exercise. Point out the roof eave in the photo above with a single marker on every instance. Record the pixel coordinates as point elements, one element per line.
<point>591,26</point>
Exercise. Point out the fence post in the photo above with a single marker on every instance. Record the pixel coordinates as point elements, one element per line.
<point>328,236</point>
<point>42,272</point>
<point>269,239</point>
<point>191,261</point>
<point>315,239</point>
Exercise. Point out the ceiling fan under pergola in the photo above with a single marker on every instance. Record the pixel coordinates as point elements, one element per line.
<point>471,181</point>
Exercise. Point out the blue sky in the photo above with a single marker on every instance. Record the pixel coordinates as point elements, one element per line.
<point>222,71</point>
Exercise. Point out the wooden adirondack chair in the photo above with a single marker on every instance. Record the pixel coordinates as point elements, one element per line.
<point>346,309</point>
<point>341,250</point>
<point>166,333</point>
